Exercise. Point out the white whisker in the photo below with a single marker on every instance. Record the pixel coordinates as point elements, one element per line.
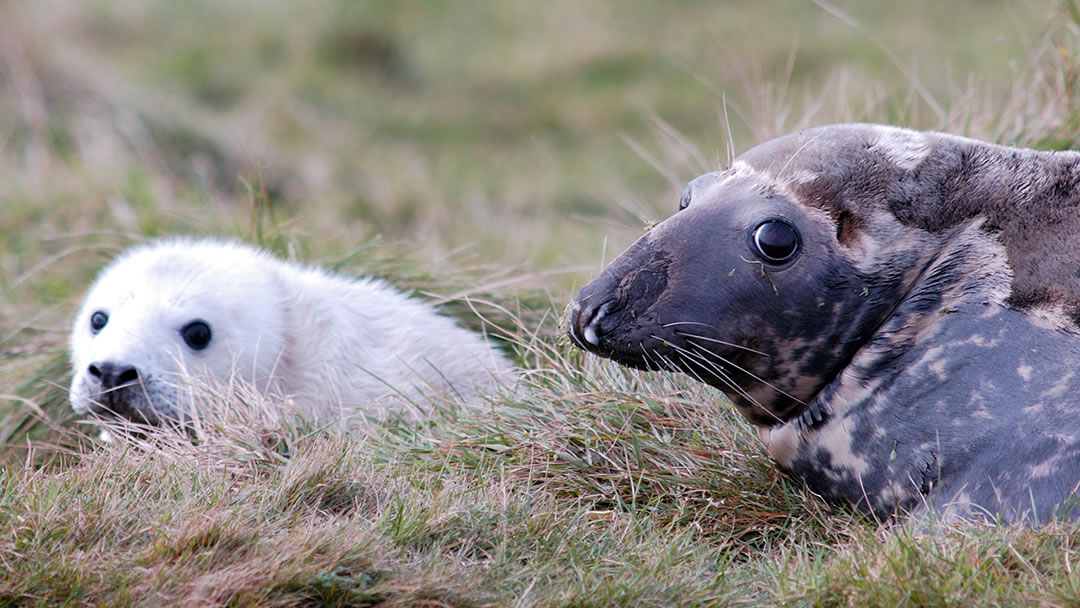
<point>720,373</point>
<point>715,341</point>
<point>748,373</point>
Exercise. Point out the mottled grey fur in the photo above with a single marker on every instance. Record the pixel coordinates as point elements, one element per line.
<point>920,352</point>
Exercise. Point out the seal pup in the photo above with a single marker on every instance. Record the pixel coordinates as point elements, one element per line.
<point>896,313</point>
<point>174,310</point>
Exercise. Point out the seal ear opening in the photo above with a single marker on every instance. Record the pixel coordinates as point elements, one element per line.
<point>847,226</point>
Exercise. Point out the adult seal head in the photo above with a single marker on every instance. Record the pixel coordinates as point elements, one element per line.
<point>895,311</point>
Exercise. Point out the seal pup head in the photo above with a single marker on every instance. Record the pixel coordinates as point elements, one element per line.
<point>167,312</point>
<point>165,318</point>
<point>776,271</point>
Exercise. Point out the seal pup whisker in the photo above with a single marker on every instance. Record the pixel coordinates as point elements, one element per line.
<point>723,376</point>
<point>701,353</point>
<point>792,158</point>
<point>660,361</point>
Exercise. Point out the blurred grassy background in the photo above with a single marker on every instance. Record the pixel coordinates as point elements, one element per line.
<point>498,126</point>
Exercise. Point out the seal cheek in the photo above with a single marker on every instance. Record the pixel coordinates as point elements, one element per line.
<point>79,394</point>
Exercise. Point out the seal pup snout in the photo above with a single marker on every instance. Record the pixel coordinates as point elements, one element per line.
<point>113,375</point>
<point>114,391</point>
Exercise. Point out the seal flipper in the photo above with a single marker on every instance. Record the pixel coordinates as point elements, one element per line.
<point>814,415</point>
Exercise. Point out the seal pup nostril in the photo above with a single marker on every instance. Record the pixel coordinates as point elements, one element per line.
<point>111,375</point>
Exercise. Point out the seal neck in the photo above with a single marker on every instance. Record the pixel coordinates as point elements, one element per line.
<point>969,272</point>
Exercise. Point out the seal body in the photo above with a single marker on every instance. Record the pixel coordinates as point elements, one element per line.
<point>171,311</point>
<point>895,311</point>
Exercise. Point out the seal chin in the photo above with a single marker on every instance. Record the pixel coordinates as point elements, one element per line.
<point>139,400</point>
<point>121,407</point>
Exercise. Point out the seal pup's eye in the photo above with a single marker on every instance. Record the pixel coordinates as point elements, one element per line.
<point>98,321</point>
<point>775,241</point>
<point>684,202</point>
<point>196,334</point>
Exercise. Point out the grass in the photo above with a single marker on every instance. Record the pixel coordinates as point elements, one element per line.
<point>490,156</point>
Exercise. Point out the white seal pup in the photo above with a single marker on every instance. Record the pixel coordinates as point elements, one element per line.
<point>898,313</point>
<point>172,310</point>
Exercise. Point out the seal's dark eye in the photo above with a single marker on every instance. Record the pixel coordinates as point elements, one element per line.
<point>98,321</point>
<point>684,202</point>
<point>776,241</point>
<point>196,334</point>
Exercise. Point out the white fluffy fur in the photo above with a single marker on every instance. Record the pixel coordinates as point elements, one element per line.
<point>335,345</point>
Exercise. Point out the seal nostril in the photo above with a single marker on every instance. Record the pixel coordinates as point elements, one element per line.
<point>592,328</point>
<point>584,322</point>
<point>111,375</point>
<point>127,376</point>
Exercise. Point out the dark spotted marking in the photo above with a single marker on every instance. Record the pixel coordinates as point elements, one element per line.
<point>920,349</point>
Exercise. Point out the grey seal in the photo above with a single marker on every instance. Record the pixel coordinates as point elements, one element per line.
<point>170,314</point>
<point>896,312</point>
